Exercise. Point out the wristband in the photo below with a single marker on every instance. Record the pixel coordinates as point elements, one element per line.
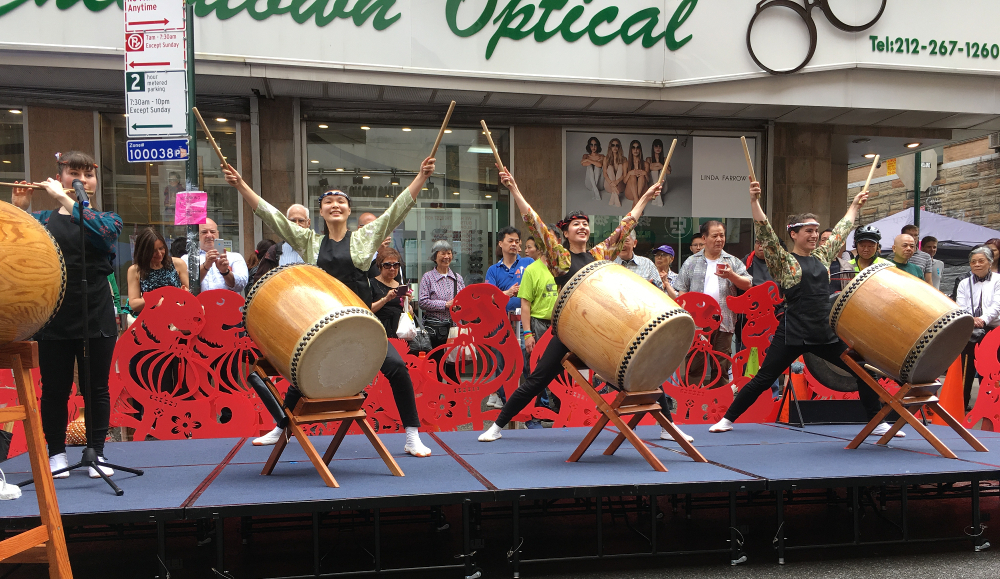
<point>225,274</point>
<point>523,334</point>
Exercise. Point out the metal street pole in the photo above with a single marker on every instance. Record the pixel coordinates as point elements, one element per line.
<point>193,247</point>
<point>916,190</point>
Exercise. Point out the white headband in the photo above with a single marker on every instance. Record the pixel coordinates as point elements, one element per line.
<point>794,225</point>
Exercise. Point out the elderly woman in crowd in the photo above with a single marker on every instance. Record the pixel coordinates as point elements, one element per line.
<point>438,288</point>
<point>979,295</point>
<point>387,293</point>
<point>663,258</point>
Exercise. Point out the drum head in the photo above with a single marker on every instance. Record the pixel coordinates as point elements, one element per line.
<point>342,357</point>
<point>661,349</point>
<point>938,348</point>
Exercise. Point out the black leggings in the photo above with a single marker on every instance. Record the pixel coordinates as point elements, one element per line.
<point>548,368</point>
<point>55,362</point>
<point>779,357</point>
<point>393,368</point>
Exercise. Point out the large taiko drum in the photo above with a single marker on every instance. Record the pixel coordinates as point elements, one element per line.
<point>315,331</point>
<point>900,324</point>
<point>32,275</point>
<point>623,327</point>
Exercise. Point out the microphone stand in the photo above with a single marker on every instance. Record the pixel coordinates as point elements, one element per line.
<point>89,458</point>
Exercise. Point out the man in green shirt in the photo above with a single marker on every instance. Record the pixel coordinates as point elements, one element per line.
<point>902,250</point>
<point>538,293</point>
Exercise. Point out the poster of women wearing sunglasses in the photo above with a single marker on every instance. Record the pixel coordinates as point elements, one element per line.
<point>625,172</point>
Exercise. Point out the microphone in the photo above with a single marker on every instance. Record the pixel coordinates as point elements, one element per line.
<point>81,194</point>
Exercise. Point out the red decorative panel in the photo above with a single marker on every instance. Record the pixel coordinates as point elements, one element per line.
<point>987,404</point>
<point>8,397</point>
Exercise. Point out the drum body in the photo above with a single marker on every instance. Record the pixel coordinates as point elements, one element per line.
<point>625,328</point>
<point>32,275</point>
<point>315,331</point>
<point>900,324</point>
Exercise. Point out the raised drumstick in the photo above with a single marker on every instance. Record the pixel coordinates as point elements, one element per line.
<point>444,125</point>
<point>496,154</point>
<point>666,163</point>
<point>211,139</point>
<point>871,172</point>
<point>746,151</point>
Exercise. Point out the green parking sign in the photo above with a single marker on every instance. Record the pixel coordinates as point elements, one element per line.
<point>135,82</point>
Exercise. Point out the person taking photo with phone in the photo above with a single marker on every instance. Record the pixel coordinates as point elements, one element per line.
<point>220,269</point>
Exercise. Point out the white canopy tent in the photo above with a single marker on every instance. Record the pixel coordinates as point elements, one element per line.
<point>939,226</point>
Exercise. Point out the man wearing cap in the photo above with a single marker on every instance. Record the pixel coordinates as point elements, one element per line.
<point>719,274</point>
<point>663,258</point>
<point>642,266</point>
<point>866,242</point>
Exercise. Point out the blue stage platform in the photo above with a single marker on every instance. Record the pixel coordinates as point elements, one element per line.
<point>206,479</point>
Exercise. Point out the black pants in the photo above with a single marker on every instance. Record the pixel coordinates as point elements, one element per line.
<point>549,366</point>
<point>779,357</point>
<point>393,368</point>
<point>968,370</point>
<point>55,362</point>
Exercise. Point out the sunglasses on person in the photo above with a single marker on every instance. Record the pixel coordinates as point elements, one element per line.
<point>391,265</point>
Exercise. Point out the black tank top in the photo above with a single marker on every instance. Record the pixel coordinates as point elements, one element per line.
<point>335,259</point>
<point>577,262</point>
<point>806,319</point>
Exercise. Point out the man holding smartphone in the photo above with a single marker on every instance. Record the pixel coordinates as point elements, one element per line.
<point>714,272</point>
<point>219,269</point>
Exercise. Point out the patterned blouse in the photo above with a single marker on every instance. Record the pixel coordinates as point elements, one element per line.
<point>101,228</point>
<point>558,257</point>
<point>436,289</point>
<point>157,278</point>
<point>783,267</point>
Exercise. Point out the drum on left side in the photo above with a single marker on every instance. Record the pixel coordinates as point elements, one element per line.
<point>32,275</point>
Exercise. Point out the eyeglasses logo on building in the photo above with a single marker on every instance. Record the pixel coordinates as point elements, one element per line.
<point>801,13</point>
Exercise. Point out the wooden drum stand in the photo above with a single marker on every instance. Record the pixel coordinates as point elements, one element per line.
<point>47,542</point>
<point>909,399</point>
<point>346,410</point>
<point>634,404</point>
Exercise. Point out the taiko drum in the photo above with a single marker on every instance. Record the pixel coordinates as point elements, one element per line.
<point>623,327</point>
<point>900,324</point>
<point>32,275</point>
<point>315,331</point>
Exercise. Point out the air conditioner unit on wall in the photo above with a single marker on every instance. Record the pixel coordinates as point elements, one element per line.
<point>995,141</point>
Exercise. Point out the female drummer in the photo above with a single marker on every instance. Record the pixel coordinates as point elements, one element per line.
<point>805,280</point>
<point>347,256</point>
<point>564,262</point>
<point>60,342</point>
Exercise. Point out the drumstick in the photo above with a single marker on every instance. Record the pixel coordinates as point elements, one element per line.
<point>211,139</point>
<point>746,151</point>
<point>666,163</point>
<point>444,125</point>
<point>35,186</point>
<point>496,154</point>
<point>871,172</point>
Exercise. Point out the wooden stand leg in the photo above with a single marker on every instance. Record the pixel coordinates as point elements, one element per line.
<point>19,357</point>
<point>279,447</point>
<point>338,438</point>
<point>615,419</point>
<point>920,397</point>
<point>314,456</point>
<point>379,447</point>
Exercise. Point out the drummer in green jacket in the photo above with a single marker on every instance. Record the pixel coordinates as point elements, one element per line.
<point>347,256</point>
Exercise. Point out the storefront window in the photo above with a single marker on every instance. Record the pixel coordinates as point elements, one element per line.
<point>143,194</point>
<point>461,202</point>
<point>11,149</point>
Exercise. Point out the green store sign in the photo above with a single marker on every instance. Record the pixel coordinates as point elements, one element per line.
<point>513,21</point>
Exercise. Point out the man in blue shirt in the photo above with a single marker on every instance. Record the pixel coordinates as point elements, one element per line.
<point>506,275</point>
